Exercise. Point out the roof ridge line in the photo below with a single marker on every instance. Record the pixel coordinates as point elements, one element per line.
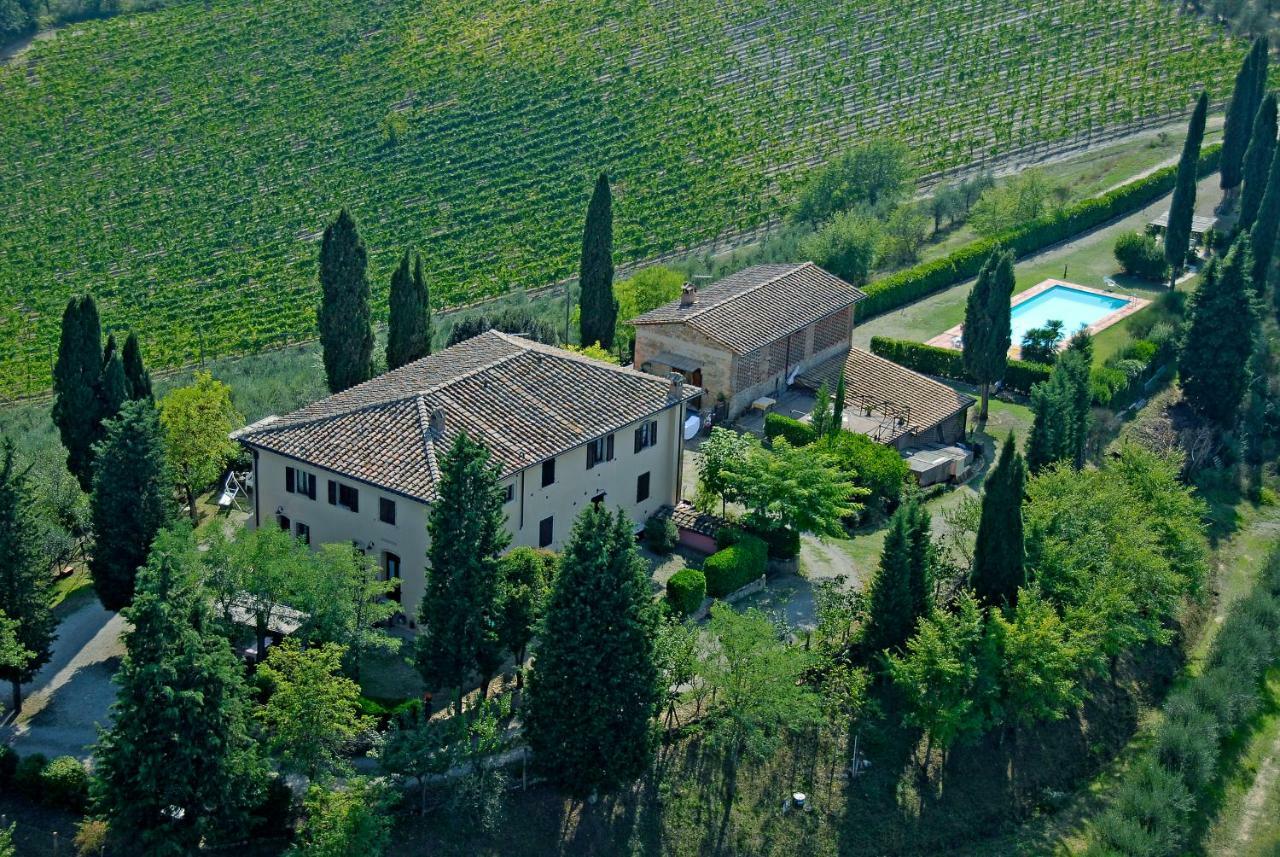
<point>701,308</point>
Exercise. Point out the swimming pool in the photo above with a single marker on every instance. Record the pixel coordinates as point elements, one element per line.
<point>1075,308</point>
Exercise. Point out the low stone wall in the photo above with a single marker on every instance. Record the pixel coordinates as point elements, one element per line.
<point>737,595</point>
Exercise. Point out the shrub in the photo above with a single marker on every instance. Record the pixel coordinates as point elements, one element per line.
<point>1143,350</point>
<point>732,568</point>
<point>92,835</point>
<point>661,534</point>
<point>1187,741</point>
<point>845,246</point>
<point>726,536</point>
<point>1140,255</point>
<point>274,813</point>
<point>780,543</point>
<point>1040,344</point>
<point>924,279</point>
<point>792,431</point>
<point>686,589</point>
<point>64,782</point>
<point>875,466</point>
<point>26,776</point>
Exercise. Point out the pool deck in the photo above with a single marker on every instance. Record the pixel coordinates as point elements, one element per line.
<point>951,338</point>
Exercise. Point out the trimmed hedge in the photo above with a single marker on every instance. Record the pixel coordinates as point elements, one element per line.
<point>686,589</point>
<point>64,782</point>
<point>792,431</point>
<point>926,278</point>
<point>1020,376</point>
<point>734,567</point>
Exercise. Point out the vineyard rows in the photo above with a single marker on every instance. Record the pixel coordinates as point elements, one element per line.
<point>181,164</point>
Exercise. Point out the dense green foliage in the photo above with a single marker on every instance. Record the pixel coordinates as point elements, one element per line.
<point>1246,95</point>
<point>132,500</point>
<point>77,378</point>
<point>1140,255</point>
<point>1257,161</point>
<point>686,589</point>
<point>178,764</point>
<point>1019,376</point>
<point>872,174</point>
<point>469,131</point>
<point>985,351</point>
<point>351,820</point>
<point>26,586</point>
<point>1061,407</point>
<point>999,555</point>
<point>346,339</point>
<point>1266,226</point>
<point>408,314</point>
<point>597,307</point>
<point>935,275</point>
<point>792,489</point>
<point>197,421</point>
<point>871,465</point>
<point>1183,204</point>
<point>594,689</point>
<point>901,592</point>
<point>733,567</point>
<point>1222,323</point>
<point>525,575</point>
<point>460,611</point>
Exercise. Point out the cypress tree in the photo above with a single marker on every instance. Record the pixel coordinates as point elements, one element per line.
<point>1262,239</point>
<point>1062,408</point>
<point>597,304</point>
<point>134,371</point>
<point>133,499</point>
<point>594,689</point>
<point>1177,235</point>
<point>1245,98</point>
<point>180,734</point>
<point>26,586</point>
<point>1257,161</point>
<point>1223,321</point>
<point>461,610</point>
<point>113,389</point>
<point>987,331</point>
<point>922,555</point>
<point>838,405</point>
<point>345,335</point>
<point>999,554</point>
<point>891,601</point>
<point>75,385</point>
<point>409,330</point>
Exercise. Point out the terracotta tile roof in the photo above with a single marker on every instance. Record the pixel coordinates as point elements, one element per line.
<point>526,401</point>
<point>883,382</point>
<point>759,305</point>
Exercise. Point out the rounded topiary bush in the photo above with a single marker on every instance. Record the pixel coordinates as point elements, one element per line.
<point>734,567</point>
<point>686,589</point>
<point>64,782</point>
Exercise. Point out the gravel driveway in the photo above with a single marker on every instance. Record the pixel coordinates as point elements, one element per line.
<point>71,696</point>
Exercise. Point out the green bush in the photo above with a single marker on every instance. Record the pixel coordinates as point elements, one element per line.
<point>1187,741</point>
<point>726,536</point>
<point>792,431</point>
<point>875,466</point>
<point>661,534</point>
<point>780,543</point>
<point>64,782</point>
<point>686,589</point>
<point>26,776</point>
<point>845,246</point>
<point>1140,255</point>
<point>914,283</point>
<point>732,568</point>
<point>1142,349</point>
<point>1020,376</point>
<point>8,764</point>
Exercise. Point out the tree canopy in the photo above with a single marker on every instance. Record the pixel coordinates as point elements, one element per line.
<point>598,306</point>
<point>346,337</point>
<point>987,332</point>
<point>197,421</point>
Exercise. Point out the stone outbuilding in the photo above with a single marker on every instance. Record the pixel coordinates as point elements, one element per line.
<point>749,335</point>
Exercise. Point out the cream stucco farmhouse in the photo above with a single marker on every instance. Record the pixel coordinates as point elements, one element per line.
<point>567,430</point>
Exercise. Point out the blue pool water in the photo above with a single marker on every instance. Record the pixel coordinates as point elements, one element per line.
<point>1073,307</point>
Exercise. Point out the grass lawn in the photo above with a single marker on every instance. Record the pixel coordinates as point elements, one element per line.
<point>1249,823</point>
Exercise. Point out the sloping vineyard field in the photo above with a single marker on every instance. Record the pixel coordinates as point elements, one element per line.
<point>181,164</point>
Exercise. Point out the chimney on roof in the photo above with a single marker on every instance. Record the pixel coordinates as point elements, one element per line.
<point>436,422</point>
<point>688,294</point>
<point>676,392</point>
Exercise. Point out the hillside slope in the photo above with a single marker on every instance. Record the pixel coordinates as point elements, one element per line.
<point>181,164</point>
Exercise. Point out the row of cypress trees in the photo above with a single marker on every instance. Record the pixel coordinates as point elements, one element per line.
<point>344,316</point>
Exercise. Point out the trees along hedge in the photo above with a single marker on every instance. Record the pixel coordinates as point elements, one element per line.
<point>596,644</point>
<point>999,555</point>
<point>346,338</point>
<point>599,307</point>
<point>409,314</point>
<point>1245,98</point>
<point>178,765</point>
<point>1222,323</point>
<point>76,376</point>
<point>1257,161</point>
<point>461,608</point>
<point>198,420</point>
<point>1177,236</point>
<point>132,500</point>
<point>26,584</point>
<point>987,324</point>
<point>1020,375</point>
<point>1266,226</point>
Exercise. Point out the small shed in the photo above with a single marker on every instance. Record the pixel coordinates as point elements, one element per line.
<point>1199,226</point>
<point>937,464</point>
<point>697,529</point>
